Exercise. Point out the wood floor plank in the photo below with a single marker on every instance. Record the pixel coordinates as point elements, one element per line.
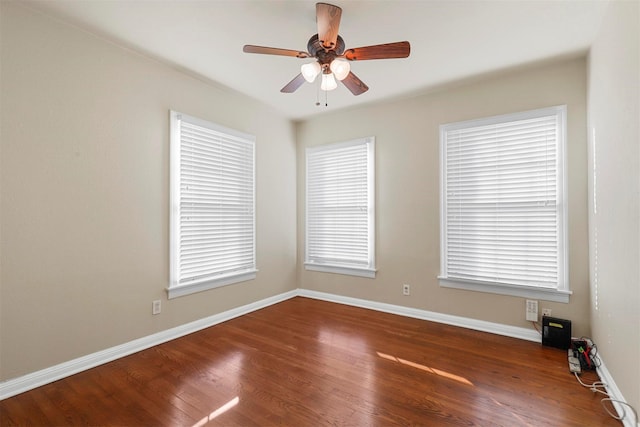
<point>304,362</point>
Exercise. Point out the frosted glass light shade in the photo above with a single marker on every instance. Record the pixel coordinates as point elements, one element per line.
<point>310,71</point>
<point>328,82</point>
<point>340,68</point>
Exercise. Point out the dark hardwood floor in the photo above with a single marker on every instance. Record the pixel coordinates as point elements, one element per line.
<point>304,362</point>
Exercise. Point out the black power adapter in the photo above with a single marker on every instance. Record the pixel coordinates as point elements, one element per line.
<point>556,332</point>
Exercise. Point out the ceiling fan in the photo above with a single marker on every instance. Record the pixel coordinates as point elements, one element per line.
<point>332,60</point>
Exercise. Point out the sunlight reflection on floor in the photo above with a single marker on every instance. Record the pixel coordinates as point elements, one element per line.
<point>224,370</point>
<point>426,368</point>
<point>333,340</point>
<point>221,410</point>
<point>513,414</point>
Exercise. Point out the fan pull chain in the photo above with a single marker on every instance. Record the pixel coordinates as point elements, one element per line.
<point>326,96</point>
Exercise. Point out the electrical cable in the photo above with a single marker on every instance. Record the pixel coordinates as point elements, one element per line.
<point>593,351</point>
<point>596,385</point>
<point>593,385</point>
<point>535,325</point>
<point>624,413</point>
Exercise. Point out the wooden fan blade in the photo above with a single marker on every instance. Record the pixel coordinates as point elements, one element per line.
<point>274,51</point>
<point>328,20</point>
<point>354,84</point>
<point>294,84</point>
<point>379,51</point>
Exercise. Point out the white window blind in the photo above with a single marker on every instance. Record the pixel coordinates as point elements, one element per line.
<point>340,208</point>
<point>212,217</point>
<point>502,200</point>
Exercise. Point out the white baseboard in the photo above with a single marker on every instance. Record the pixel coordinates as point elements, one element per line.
<point>30,381</point>
<point>464,322</point>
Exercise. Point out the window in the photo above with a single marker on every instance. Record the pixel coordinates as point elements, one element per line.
<point>503,212</point>
<point>340,208</point>
<point>212,206</point>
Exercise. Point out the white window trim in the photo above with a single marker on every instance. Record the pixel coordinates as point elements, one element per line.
<point>336,269</point>
<point>175,289</point>
<point>560,294</point>
<point>352,270</point>
<point>544,294</point>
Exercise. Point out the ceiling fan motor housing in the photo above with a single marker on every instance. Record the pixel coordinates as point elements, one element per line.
<point>324,56</point>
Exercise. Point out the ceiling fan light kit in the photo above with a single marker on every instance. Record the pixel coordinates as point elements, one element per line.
<point>310,71</point>
<point>341,68</point>
<point>328,82</point>
<point>332,60</point>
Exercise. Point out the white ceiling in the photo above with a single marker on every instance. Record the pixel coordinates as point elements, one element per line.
<point>450,40</point>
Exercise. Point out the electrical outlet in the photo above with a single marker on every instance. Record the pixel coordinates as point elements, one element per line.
<point>156,307</point>
<point>406,289</point>
<point>532,310</point>
<point>546,312</point>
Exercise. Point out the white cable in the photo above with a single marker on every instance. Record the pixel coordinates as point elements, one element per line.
<point>624,413</point>
<point>594,388</point>
<point>593,385</point>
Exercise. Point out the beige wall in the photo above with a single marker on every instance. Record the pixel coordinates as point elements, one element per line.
<point>85,193</point>
<point>614,194</point>
<point>407,190</point>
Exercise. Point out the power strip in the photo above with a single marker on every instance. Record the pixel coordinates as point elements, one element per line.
<point>574,363</point>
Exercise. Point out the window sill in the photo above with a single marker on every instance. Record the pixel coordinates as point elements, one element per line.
<point>192,288</point>
<point>341,269</point>
<point>505,289</point>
